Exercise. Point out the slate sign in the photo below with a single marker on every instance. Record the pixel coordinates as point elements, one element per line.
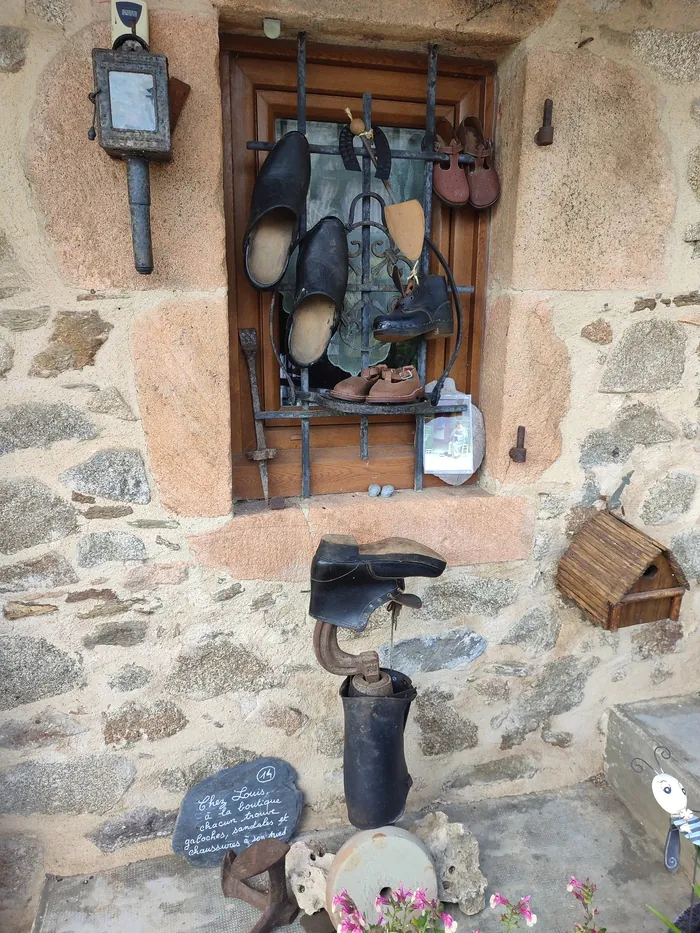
<point>235,808</point>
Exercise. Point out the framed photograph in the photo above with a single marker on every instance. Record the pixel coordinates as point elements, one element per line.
<point>447,443</point>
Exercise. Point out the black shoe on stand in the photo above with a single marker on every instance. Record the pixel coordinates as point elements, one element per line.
<point>424,311</point>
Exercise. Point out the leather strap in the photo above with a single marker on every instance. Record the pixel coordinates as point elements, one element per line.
<point>445,134</point>
<point>372,371</point>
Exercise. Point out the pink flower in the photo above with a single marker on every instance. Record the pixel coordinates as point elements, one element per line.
<point>343,902</point>
<point>449,923</point>
<point>420,900</point>
<point>524,902</point>
<point>573,883</point>
<point>380,902</point>
<point>531,920</point>
<point>402,895</point>
<point>497,899</point>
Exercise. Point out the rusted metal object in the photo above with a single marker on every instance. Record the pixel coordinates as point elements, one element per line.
<point>363,668</point>
<point>518,454</point>
<point>545,134</point>
<point>248,338</point>
<point>179,91</point>
<point>277,907</point>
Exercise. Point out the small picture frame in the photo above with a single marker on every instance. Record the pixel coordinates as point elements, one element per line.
<point>448,441</point>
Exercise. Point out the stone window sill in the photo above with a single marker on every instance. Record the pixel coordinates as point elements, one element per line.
<point>466,525</point>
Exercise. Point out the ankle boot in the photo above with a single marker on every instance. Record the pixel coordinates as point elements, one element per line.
<point>424,311</point>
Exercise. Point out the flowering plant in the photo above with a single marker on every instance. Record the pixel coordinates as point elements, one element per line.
<point>583,891</point>
<point>402,911</point>
<point>514,913</point>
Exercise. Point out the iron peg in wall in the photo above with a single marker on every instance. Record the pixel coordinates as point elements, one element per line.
<point>518,454</point>
<point>545,134</point>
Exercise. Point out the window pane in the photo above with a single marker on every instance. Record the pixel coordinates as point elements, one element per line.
<point>331,192</point>
<point>131,96</point>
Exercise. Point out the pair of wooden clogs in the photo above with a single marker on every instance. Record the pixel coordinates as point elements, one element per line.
<point>478,183</point>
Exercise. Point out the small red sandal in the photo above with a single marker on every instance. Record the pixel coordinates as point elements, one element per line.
<point>450,182</point>
<point>484,183</point>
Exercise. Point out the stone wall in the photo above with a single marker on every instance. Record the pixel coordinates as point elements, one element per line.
<point>144,620</point>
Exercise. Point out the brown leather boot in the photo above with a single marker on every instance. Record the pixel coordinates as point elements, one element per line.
<point>397,385</point>
<point>356,388</point>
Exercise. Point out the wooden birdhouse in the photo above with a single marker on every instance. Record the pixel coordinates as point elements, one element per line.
<point>620,576</point>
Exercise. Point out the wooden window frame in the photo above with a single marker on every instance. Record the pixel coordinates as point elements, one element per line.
<point>258,83</point>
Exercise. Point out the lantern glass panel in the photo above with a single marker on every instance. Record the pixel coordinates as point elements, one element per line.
<point>132,100</point>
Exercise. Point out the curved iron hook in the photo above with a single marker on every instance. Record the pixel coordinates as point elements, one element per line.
<point>278,357</point>
<point>435,394</point>
<point>664,753</point>
<point>637,765</point>
<point>351,213</point>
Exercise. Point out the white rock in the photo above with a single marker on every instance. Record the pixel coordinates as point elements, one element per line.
<point>455,853</point>
<point>308,865</point>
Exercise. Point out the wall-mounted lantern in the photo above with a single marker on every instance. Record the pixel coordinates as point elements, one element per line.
<point>132,116</point>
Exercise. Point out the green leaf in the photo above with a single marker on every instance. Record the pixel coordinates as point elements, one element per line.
<point>696,888</point>
<point>671,926</point>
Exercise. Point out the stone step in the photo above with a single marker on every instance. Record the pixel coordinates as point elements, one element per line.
<point>529,845</point>
<point>635,730</point>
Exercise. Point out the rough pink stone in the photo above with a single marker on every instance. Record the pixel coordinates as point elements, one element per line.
<point>180,354</point>
<point>148,575</point>
<point>279,545</point>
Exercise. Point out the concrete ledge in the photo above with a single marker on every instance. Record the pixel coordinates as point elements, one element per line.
<point>635,730</point>
<point>465,526</point>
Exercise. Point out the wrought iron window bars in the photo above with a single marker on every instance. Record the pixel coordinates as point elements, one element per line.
<point>328,407</point>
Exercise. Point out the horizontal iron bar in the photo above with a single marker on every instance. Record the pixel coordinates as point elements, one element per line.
<point>256,146</point>
<point>463,289</point>
<point>361,410</point>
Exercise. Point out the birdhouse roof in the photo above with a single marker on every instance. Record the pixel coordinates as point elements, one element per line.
<point>604,561</point>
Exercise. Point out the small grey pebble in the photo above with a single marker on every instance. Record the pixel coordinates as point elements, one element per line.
<point>374,490</point>
<point>387,491</point>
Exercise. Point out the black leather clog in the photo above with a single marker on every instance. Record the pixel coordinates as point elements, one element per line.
<point>278,200</point>
<point>322,277</point>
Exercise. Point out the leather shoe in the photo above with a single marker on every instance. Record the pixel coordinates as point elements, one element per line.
<point>322,277</point>
<point>426,310</point>
<point>278,199</point>
<point>397,386</point>
<point>356,388</point>
<point>349,581</point>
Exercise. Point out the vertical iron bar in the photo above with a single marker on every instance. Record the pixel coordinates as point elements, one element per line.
<point>301,126</point>
<point>425,256</point>
<point>366,265</point>
<point>691,925</point>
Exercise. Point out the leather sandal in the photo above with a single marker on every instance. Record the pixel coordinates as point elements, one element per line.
<point>450,182</point>
<point>397,386</point>
<point>278,199</point>
<point>484,183</point>
<point>322,278</point>
<point>356,388</point>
